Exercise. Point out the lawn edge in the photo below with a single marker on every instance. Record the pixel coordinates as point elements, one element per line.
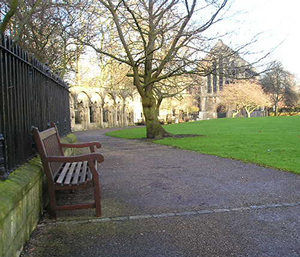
<point>195,151</point>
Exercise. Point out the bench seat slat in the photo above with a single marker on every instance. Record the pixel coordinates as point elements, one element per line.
<point>76,174</point>
<point>62,175</point>
<point>84,171</point>
<point>70,173</point>
<point>58,171</point>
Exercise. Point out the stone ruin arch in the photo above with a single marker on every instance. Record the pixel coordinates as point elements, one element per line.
<point>82,111</point>
<point>108,109</point>
<point>93,108</point>
<point>128,111</point>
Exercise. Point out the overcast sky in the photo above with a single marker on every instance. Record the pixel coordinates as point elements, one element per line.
<point>279,22</point>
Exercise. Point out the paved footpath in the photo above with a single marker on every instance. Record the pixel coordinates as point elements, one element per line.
<point>161,201</point>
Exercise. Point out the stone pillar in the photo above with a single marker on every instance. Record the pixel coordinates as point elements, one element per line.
<point>132,117</point>
<point>80,109</point>
<point>115,116</point>
<point>86,119</point>
<point>125,116</point>
<point>100,116</point>
<point>110,117</point>
<point>120,116</point>
<point>72,114</point>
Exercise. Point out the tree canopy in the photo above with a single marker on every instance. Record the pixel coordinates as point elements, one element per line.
<point>43,28</point>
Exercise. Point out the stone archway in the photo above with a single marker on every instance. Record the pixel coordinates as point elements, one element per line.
<point>95,109</point>
<point>82,112</point>
<point>108,111</point>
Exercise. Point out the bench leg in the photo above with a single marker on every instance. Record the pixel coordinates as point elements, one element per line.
<point>52,202</point>
<point>97,197</point>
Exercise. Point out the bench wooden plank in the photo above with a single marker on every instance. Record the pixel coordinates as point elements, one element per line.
<point>62,175</point>
<point>47,133</point>
<point>70,173</point>
<point>83,173</point>
<point>76,174</point>
<point>58,171</point>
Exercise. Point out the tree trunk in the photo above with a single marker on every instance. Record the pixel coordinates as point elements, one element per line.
<point>234,114</point>
<point>248,113</point>
<point>151,110</point>
<point>276,109</point>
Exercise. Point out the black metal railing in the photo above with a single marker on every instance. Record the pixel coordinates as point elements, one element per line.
<point>30,95</point>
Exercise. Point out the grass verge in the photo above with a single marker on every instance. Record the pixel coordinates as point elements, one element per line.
<point>268,141</point>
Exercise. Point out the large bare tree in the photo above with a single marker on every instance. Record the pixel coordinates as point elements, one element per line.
<point>159,40</point>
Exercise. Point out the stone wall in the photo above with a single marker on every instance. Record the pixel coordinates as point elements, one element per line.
<point>21,204</point>
<point>93,108</point>
<point>20,207</point>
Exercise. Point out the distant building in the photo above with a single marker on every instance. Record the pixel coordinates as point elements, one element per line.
<point>223,65</point>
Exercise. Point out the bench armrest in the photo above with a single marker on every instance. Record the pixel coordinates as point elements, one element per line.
<point>81,145</point>
<point>77,158</point>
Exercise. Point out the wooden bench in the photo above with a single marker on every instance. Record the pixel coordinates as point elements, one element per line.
<point>68,172</point>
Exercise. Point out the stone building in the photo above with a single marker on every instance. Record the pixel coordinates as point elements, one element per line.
<point>93,108</point>
<point>223,66</point>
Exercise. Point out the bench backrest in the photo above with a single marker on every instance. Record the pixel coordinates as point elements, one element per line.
<point>48,144</point>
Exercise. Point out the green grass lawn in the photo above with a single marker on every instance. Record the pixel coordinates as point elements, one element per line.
<point>268,141</point>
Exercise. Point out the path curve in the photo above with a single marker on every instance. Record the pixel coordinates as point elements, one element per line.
<point>163,201</point>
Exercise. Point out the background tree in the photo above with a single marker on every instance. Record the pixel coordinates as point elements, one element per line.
<point>11,8</point>
<point>43,28</point>
<point>291,98</point>
<point>158,40</point>
<point>244,95</point>
<point>279,83</point>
